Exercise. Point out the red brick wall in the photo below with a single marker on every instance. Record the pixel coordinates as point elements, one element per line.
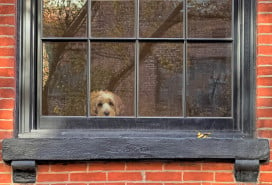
<point>7,77</point>
<point>136,173</point>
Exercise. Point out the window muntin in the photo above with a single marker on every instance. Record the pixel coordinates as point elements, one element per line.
<point>162,45</point>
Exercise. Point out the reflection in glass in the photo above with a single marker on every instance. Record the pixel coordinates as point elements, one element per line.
<point>112,18</point>
<point>209,18</point>
<point>161,18</point>
<point>64,79</point>
<point>160,79</point>
<point>209,86</point>
<point>112,69</point>
<point>64,18</point>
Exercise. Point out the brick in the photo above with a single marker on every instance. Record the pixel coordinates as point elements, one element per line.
<point>7,93</point>
<point>224,183</point>
<point>163,176</point>
<point>7,9</point>
<point>69,167</point>
<point>43,168</point>
<point>182,166</point>
<point>265,134</point>
<point>188,183</point>
<point>198,176</point>
<point>7,82</point>
<point>264,7</point>
<point>264,60</point>
<point>7,72</point>
<point>265,39</point>
<point>7,62</point>
<point>5,134</point>
<point>264,18</point>
<point>264,81</point>
<point>144,183</point>
<point>7,51</point>
<point>224,177</point>
<point>267,70</point>
<point>144,166</point>
<point>52,177</point>
<point>264,102</point>
<point>217,166</point>
<point>264,29</point>
<point>7,41</point>
<point>106,166</point>
<point>6,114</point>
<point>109,183</point>
<point>5,178</point>
<point>91,176</point>
<point>71,184</point>
<point>7,1</point>
<point>4,167</point>
<point>262,91</point>
<point>4,30</point>
<point>7,125</point>
<point>266,167</point>
<point>264,123</point>
<point>265,177</point>
<point>264,112</point>
<point>125,176</point>
<point>9,20</point>
<point>264,49</point>
<point>7,104</point>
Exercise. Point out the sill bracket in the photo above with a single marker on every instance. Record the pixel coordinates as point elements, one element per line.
<point>246,170</point>
<point>24,171</point>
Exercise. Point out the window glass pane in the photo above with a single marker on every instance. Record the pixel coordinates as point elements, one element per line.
<point>160,79</point>
<point>161,18</point>
<point>112,18</point>
<point>64,78</point>
<point>112,69</point>
<point>209,18</point>
<point>209,86</point>
<point>64,18</point>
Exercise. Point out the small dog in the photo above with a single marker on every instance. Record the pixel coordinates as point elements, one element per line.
<point>106,103</point>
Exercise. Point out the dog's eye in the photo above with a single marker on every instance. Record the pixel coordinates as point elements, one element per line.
<point>99,104</point>
<point>111,103</point>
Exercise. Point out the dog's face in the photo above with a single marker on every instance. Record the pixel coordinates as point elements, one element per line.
<point>105,103</point>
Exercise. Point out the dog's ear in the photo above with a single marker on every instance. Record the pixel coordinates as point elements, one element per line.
<point>94,96</point>
<point>119,105</point>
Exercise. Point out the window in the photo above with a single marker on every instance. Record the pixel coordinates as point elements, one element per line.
<point>181,68</point>
<point>170,61</point>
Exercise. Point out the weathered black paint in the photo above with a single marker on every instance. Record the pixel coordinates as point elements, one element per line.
<point>55,149</point>
<point>246,170</point>
<point>24,171</point>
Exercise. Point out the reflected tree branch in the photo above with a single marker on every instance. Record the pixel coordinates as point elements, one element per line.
<point>75,25</point>
<point>170,21</point>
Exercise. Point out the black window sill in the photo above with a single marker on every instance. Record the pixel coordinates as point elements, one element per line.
<point>127,145</point>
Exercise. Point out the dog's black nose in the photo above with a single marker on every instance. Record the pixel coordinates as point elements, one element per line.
<point>106,113</point>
